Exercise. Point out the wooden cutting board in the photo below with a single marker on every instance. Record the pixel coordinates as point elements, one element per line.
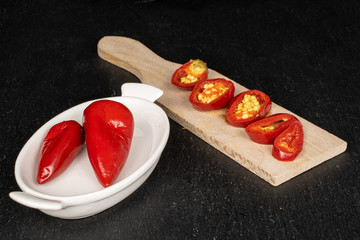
<point>211,126</point>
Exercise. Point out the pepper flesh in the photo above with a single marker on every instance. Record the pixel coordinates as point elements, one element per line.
<point>248,107</point>
<point>109,127</point>
<point>288,144</point>
<point>212,94</point>
<point>189,74</point>
<point>265,130</point>
<point>59,148</point>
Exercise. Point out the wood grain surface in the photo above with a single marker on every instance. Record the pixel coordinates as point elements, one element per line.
<point>211,126</point>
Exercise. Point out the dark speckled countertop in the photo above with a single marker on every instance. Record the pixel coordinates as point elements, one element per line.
<point>305,55</point>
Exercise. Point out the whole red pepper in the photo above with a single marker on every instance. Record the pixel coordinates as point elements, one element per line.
<point>109,127</point>
<point>189,74</point>
<point>248,107</point>
<point>212,94</point>
<point>267,129</point>
<point>288,144</point>
<point>61,145</point>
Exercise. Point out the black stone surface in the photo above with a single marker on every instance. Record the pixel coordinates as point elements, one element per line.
<point>305,55</point>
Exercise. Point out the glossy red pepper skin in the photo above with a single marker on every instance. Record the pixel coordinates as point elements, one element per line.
<point>267,129</point>
<point>265,107</point>
<point>59,148</point>
<point>195,68</point>
<point>109,127</point>
<point>288,144</point>
<point>221,97</point>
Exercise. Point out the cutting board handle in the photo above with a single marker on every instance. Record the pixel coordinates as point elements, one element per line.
<point>136,58</point>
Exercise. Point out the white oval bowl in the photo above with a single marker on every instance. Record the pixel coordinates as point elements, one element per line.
<point>76,193</point>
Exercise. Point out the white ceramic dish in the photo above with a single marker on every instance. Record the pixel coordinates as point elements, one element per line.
<point>76,193</point>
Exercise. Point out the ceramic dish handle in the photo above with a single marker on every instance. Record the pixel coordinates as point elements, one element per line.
<point>141,90</point>
<point>35,202</point>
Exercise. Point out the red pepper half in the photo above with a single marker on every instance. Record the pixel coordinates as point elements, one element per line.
<point>189,74</point>
<point>248,107</point>
<point>109,127</point>
<point>61,145</point>
<point>212,94</point>
<point>267,129</point>
<point>289,143</point>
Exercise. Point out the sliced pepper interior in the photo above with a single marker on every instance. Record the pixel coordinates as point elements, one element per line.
<point>211,91</point>
<point>193,71</point>
<point>289,142</point>
<point>274,125</point>
<point>248,107</point>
